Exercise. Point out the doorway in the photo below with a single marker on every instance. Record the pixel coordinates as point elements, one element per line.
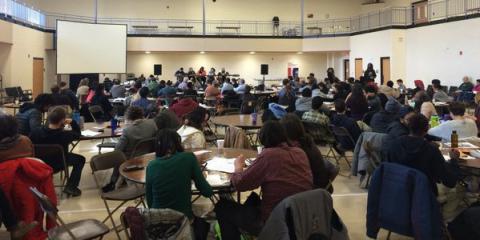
<point>37,77</point>
<point>385,69</point>
<point>358,68</point>
<point>346,69</point>
<point>420,12</point>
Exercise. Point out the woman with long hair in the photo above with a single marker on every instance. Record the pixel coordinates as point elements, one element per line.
<point>357,102</point>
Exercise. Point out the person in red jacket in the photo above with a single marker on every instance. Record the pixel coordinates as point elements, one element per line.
<point>183,107</point>
<point>18,176</point>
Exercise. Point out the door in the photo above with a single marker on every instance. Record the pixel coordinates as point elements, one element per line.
<point>346,69</point>
<point>420,12</point>
<point>358,68</point>
<point>37,77</point>
<point>385,69</point>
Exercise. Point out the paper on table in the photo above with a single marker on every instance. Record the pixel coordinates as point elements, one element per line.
<point>201,152</point>
<point>462,145</point>
<point>90,133</point>
<point>221,164</point>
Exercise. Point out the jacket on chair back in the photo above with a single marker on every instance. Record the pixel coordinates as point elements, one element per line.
<point>400,200</point>
<point>17,177</point>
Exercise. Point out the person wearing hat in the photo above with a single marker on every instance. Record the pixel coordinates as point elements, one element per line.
<point>399,127</point>
<point>385,117</point>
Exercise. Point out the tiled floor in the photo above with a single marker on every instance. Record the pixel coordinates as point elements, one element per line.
<point>349,200</point>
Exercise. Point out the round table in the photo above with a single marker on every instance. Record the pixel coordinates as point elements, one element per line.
<point>243,121</point>
<point>103,129</point>
<point>139,175</point>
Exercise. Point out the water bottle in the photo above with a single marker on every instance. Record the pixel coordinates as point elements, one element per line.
<point>254,118</point>
<point>113,125</point>
<point>434,121</point>
<point>454,140</point>
<point>76,117</point>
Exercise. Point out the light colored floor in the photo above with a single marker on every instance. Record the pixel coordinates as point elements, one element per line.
<point>349,200</point>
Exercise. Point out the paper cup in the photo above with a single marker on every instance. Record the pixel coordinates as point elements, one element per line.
<point>220,143</point>
<point>259,149</point>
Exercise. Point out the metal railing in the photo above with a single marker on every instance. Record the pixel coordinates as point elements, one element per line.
<point>388,17</point>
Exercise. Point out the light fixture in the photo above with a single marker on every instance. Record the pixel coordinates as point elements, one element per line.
<point>202,52</point>
<point>252,52</point>
<point>147,52</point>
<point>299,52</point>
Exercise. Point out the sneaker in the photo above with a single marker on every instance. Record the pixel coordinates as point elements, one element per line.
<point>72,191</point>
<point>108,188</point>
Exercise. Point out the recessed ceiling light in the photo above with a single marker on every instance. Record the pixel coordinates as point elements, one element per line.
<point>252,52</point>
<point>202,52</point>
<point>147,52</point>
<point>299,52</point>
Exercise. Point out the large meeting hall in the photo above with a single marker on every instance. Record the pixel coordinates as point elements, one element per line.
<point>239,119</point>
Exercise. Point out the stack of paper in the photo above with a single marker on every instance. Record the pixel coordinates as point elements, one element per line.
<point>221,164</point>
<point>90,133</point>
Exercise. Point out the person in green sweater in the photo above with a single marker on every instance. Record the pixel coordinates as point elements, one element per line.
<point>169,177</point>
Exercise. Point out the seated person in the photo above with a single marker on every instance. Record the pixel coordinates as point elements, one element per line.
<point>373,100</point>
<point>357,102</point>
<point>101,100</point>
<point>286,96</point>
<point>167,91</point>
<point>137,129</point>
<point>54,133</point>
<point>424,105</point>
<point>401,86</point>
<point>241,87</point>
<point>304,104</point>
<point>153,86</point>
<point>248,101</point>
<point>399,127</point>
<point>383,118</point>
<point>192,130</point>
<point>182,85</point>
<point>211,91</point>
<point>12,144</point>
<point>315,115</point>
<point>465,127</point>
<point>60,99</point>
<point>118,90</point>
<point>67,92</point>
<point>168,181</point>
<point>280,170</point>
<point>321,91</point>
<point>190,91</point>
<point>29,116</point>
<point>439,95</point>
<point>166,119</point>
<point>273,111</point>
<point>143,101</point>
<point>322,170</point>
<point>340,119</point>
<point>227,86</point>
<point>416,152</point>
<point>388,90</point>
<point>183,107</point>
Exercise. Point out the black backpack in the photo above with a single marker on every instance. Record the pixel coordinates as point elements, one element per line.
<point>466,226</point>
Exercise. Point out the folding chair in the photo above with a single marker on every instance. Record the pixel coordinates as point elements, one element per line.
<point>79,230</point>
<point>50,152</point>
<point>96,112</point>
<point>340,133</point>
<point>321,136</point>
<point>143,147</point>
<point>132,192</point>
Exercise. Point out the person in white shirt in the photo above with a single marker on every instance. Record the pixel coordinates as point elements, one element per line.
<point>464,126</point>
<point>241,87</point>
<point>192,131</point>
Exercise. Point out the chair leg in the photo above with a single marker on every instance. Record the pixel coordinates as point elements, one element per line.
<point>389,234</point>
<point>110,215</point>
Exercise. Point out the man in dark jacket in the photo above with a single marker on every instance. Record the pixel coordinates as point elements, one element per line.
<point>30,115</point>
<point>399,127</point>
<point>67,92</point>
<point>415,152</point>
<point>382,119</point>
<point>342,120</point>
<point>54,133</point>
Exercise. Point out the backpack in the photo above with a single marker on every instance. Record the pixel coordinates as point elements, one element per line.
<point>466,226</point>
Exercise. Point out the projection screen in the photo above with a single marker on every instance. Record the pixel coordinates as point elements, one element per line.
<point>91,48</point>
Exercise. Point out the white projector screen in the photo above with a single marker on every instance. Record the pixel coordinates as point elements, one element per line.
<point>91,48</point>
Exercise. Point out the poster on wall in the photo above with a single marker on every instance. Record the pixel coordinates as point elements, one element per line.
<point>293,70</point>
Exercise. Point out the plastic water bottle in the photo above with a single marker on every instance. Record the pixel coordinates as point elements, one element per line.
<point>113,125</point>
<point>76,117</point>
<point>254,118</point>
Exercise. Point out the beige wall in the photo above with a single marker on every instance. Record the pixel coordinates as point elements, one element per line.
<point>264,10</point>
<point>248,65</point>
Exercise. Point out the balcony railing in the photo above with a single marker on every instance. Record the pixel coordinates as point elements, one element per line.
<point>388,17</point>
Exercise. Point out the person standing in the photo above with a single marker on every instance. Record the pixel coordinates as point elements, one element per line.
<point>276,25</point>
<point>370,73</point>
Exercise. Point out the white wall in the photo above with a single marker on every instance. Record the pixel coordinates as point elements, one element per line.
<point>435,52</point>
<point>245,64</point>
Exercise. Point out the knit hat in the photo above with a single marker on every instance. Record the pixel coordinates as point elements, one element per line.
<point>392,105</point>
<point>277,110</point>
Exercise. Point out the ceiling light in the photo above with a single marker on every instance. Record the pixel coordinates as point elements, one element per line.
<point>202,52</point>
<point>147,52</point>
<point>299,52</point>
<point>252,52</point>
